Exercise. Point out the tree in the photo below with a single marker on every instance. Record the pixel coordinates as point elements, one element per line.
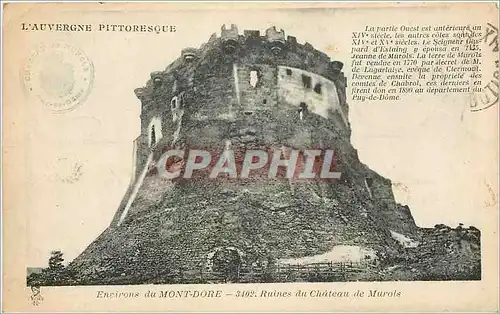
<point>56,261</point>
<point>56,273</point>
<point>35,280</point>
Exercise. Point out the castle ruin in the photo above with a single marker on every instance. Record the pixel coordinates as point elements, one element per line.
<point>249,90</point>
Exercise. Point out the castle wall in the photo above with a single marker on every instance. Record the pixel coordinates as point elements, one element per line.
<point>216,80</point>
<point>214,95</point>
<point>297,86</point>
<point>210,105</point>
<point>262,96</point>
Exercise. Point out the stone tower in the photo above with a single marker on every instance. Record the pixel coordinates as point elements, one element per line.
<point>247,90</point>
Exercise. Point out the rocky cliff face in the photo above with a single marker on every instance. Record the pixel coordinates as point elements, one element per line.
<point>248,92</point>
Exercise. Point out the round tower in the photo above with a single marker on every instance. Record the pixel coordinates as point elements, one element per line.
<point>236,82</point>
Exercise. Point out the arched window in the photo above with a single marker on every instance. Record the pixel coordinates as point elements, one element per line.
<point>317,88</point>
<point>306,80</point>
<point>153,136</point>
<point>154,131</point>
<point>173,103</point>
<point>254,78</point>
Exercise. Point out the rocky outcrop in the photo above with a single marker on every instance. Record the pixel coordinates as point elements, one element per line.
<point>443,253</point>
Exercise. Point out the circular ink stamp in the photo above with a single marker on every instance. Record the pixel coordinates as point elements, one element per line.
<point>487,96</point>
<point>59,75</point>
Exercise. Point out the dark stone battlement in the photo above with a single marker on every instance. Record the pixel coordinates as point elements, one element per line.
<point>273,48</point>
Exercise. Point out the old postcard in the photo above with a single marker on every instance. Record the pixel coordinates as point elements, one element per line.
<point>225,157</point>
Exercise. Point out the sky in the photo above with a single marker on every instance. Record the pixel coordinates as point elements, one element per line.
<point>441,157</point>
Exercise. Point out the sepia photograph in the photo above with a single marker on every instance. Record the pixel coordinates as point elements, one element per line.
<point>250,157</point>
